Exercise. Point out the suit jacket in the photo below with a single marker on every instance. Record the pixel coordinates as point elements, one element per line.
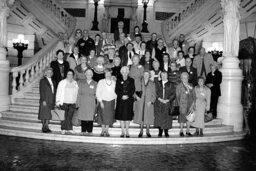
<point>216,80</point>
<point>124,56</point>
<point>99,47</point>
<point>192,75</point>
<point>56,71</point>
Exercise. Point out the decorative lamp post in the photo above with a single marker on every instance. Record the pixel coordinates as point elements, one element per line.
<point>95,22</point>
<point>20,44</point>
<point>145,24</point>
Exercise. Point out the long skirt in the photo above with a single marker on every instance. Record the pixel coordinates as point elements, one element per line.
<point>107,114</point>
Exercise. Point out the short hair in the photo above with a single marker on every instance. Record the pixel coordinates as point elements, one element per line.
<point>97,35</point>
<point>191,47</point>
<point>148,51</point>
<point>143,42</point>
<point>181,51</point>
<point>60,51</point>
<point>47,69</point>
<point>138,35</point>
<point>183,74</point>
<point>125,68</point>
<point>71,70</point>
<point>200,78</point>
<point>108,70</point>
<point>129,43</point>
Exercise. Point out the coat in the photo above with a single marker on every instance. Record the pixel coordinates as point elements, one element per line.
<point>142,113</point>
<point>86,100</point>
<point>202,105</point>
<point>56,71</point>
<point>216,80</point>
<point>136,72</point>
<point>184,99</point>
<point>48,96</point>
<point>72,61</point>
<point>85,46</point>
<point>192,75</point>
<point>124,108</point>
<point>162,111</point>
<point>197,63</point>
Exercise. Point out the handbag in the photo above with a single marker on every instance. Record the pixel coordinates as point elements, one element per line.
<point>191,116</point>
<point>75,120</point>
<point>175,111</point>
<point>208,117</point>
<point>58,114</point>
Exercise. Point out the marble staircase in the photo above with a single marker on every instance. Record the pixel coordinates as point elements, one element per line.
<point>21,120</point>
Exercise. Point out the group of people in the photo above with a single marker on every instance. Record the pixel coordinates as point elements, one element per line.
<point>130,80</point>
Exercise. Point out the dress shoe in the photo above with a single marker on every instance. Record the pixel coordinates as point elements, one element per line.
<point>148,135</point>
<point>140,135</point>
<point>44,130</point>
<point>166,135</point>
<point>122,135</point>
<point>189,134</point>
<point>102,134</point>
<point>201,132</point>
<point>107,134</point>
<point>160,135</point>
<point>181,134</point>
<point>197,132</point>
<point>127,136</point>
<point>48,130</point>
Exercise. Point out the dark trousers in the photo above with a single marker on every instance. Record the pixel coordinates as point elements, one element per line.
<point>69,112</point>
<point>214,103</point>
<point>86,126</point>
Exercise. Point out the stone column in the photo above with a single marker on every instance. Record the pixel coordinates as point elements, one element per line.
<point>229,105</point>
<point>4,64</point>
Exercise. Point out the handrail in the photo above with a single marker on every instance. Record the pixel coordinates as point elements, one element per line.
<point>169,25</point>
<point>37,56</point>
<point>24,76</point>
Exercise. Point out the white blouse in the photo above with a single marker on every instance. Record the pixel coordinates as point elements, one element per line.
<point>106,90</point>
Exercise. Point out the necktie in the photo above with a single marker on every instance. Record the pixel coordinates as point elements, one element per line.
<point>130,55</point>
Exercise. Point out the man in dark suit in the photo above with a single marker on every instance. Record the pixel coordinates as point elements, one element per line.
<point>213,81</point>
<point>60,67</point>
<point>127,54</point>
<point>120,30</point>
<point>86,44</point>
<point>47,90</point>
<point>192,72</point>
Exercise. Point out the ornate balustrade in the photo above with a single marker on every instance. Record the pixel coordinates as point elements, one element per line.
<point>24,75</point>
<point>170,25</point>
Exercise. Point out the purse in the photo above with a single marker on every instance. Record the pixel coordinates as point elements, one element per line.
<point>75,120</point>
<point>58,114</point>
<point>191,116</point>
<point>208,117</point>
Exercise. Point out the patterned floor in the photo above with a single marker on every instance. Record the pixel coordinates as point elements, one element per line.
<point>36,155</point>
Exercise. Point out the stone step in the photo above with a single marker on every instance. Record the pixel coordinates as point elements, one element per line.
<point>27,101</point>
<point>24,102</point>
<point>56,136</point>
<point>35,90</point>
<point>31,96</point>
<point>113,131</point>
<point>24,108</point>
<point>34,117</point>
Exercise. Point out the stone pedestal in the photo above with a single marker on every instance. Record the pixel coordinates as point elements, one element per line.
<point>229,107</point>
<point>4,77</point>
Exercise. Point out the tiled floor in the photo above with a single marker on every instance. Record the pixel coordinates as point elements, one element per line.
<point>36,155</point>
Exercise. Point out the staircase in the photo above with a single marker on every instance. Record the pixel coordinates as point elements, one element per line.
<point>21,120</point>
<point>199,19</point>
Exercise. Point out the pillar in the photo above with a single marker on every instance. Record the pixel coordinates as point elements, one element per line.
<point>230,109</point>
<point>4,64</point>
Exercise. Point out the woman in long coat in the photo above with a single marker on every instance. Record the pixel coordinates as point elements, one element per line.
<point>144,115</point>
<point>125,90</point>
<point>86,101</point>
<point>185,96</point>
<point>47,90</point>
<point>165,94</point>
<point>203,98</point>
